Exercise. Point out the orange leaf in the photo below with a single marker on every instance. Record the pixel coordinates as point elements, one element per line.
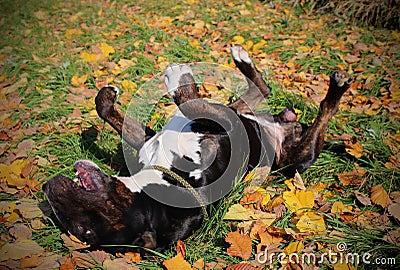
<point>180,248</point>
<point>78,80</point>
<point>241,266</point>
<point>379,196</point>
<point>240,245</point>
<point>177,263</point>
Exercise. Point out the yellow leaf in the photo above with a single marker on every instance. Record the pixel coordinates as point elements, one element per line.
<point>177,263</point>
<point>248,45</point>
<point>128,85</point>
<point>106,49</point>
<point>238,212</point>
<point>339,207</point>
<point>259,45</point>
<point>294,247</point>
<point>249,176</point>
<point>289,184</point>
<point>126,63</point>
<point>302,49</point>
<point>311,222</point>
<point>354,149</point>
<point>238,39</point>
<point>72,32</point>
<point>194,43</point>
<point>300,199</point>
<point>89,57</point>
<point>343,266</point>
<point>379,196</point>
<point>78,80</point>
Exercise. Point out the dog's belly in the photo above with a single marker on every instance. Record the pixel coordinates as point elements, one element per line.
<point>175,141</point>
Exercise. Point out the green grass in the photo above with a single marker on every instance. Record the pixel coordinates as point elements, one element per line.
<point>31,36</point>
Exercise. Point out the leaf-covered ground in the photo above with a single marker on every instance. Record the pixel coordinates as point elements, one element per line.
<point>54,56</point>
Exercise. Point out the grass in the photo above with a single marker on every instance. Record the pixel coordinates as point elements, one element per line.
<point>36,45</point>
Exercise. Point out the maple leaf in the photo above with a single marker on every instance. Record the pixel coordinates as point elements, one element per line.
<point>240,245</point>
<point>379,196</point>
<point>177,263</point>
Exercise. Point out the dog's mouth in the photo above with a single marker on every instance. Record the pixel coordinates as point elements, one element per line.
<point>87,175</point>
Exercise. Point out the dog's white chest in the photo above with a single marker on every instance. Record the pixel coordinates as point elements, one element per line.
<point>176,139</point>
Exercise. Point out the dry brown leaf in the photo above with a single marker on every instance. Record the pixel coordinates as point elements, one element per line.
<point>362,198</point>
<point>394,210</point>
<point>298,181</point>
<point>240,245</point>
<point>352,178</point>
<point>20,249</point>
<point>20,231</point>
<point>29,209</point>
<point>177,263</point>
<point>71,244</point>
<point>379,196</point>
<point>393,237</point>
<point>24,148</point>
<point>83,259</point>
<point>118,264</point>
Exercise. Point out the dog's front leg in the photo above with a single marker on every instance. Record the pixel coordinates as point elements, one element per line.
<point>258,88</point>
<point>301,154</point>
<point>134,133</point>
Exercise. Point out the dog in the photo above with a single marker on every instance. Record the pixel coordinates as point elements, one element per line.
<point>204,143</point>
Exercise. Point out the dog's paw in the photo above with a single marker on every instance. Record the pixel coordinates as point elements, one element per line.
<point>105,99</point>
<point>173,75</point>
<point>240,55</point>
<point>341,78</point>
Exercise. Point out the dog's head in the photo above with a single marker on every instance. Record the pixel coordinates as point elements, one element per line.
<point>93,205</point>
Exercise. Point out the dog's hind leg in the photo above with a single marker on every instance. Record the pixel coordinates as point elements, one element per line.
<point>300,154</point>
<point>258,88</point>
<point>134,133</point>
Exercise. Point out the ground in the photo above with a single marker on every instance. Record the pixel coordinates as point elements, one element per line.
<point>54,56</point>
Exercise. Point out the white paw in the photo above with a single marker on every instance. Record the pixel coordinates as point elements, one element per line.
<point>240,54</point>
<point>173,73</point>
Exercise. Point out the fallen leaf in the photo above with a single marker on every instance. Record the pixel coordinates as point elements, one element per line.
<point>354,148</point>
<point>177,263</point>
<point>30,262</point>
<point>394,210</point>
<point>78,80</point>
<point>339,207</point>
<point>294,247</point>
<point>241,266</point>
<point>311,222</point>
<point>19,249</point>
<point>379,196</point>
<point>180,248</point>
<point>119,264</point>
<point>83,260</point>
<point>71,244</point>
<point>352,178</point>
<point>298,181</point>
<point>240,213</point>
<point>20,231</point>
<point>298,200</point>
<point>393,237</point>
<point>362,198</point>
<point>29,209</point>
<point>240,245</point>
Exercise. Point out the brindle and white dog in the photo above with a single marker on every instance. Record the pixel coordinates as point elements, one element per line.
<point>104,209</point>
